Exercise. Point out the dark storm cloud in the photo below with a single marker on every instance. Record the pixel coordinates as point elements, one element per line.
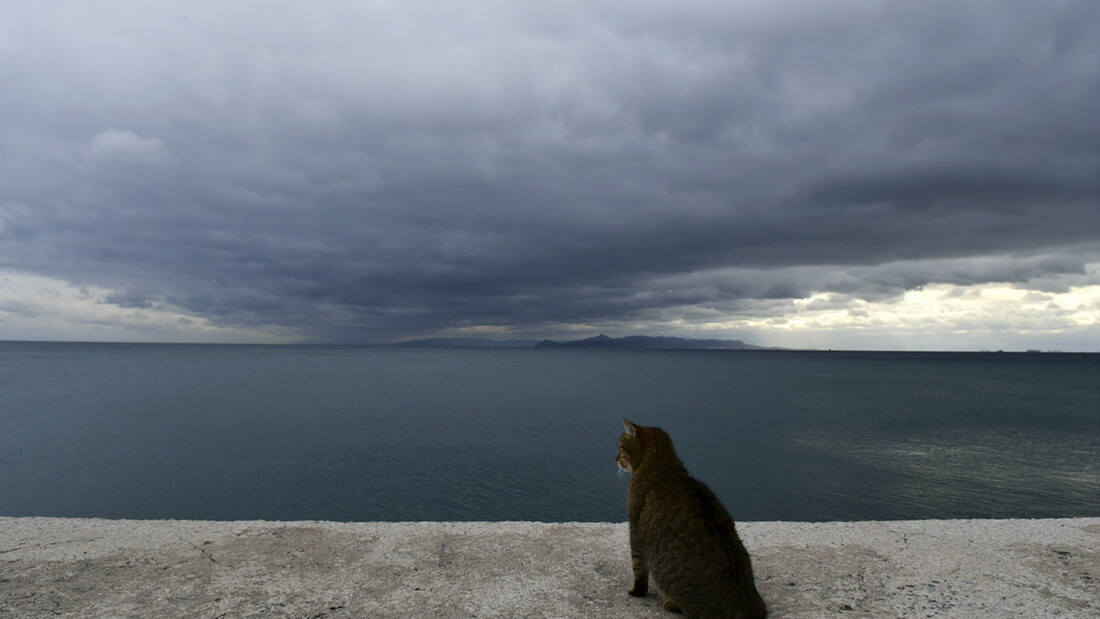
<point>365,172</point>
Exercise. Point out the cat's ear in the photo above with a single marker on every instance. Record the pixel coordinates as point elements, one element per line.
<point>630,428</point>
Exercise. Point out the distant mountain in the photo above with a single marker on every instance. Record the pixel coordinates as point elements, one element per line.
<point>643,342</point>
<point>631,342</point>
<point>465,342</point>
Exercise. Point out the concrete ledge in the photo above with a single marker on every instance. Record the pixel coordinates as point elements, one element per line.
<point>953,568</point>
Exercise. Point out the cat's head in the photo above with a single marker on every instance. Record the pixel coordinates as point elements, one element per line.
<point>644,445</point>
<point>632,446</point>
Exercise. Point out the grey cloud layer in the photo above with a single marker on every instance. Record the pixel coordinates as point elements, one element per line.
<point>365,171</point>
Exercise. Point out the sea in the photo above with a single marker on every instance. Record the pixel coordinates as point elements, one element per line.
<point>220,432</point>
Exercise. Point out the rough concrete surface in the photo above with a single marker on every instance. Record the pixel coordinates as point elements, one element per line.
<point>53,567</point>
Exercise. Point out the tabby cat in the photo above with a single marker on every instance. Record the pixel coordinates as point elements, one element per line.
<point>681,535</point>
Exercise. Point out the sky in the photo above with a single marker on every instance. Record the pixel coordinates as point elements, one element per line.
<point>861,175</point>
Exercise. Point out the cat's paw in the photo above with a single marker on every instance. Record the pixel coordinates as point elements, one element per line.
<point>639,589</point>
<point>671,607</point>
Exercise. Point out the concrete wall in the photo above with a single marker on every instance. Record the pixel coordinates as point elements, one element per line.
<point>953,568</point>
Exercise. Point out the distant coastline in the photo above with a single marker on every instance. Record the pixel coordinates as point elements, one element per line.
<point>631,342</point>
<point>634,342</point>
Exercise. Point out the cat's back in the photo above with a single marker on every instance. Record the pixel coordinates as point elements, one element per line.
<point>692,546</point>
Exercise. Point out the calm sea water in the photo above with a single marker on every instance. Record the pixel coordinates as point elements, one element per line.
<point>287,433</point>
